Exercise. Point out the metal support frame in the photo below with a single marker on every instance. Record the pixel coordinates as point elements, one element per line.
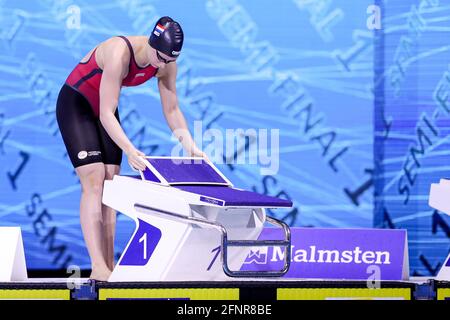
<point>286,243</point>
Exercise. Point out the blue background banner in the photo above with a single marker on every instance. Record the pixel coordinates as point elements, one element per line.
<point>412,90</point>
<point>312,69</point>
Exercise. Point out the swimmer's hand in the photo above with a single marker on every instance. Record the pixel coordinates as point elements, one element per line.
<point>196,152</point>
<point>136,159</point>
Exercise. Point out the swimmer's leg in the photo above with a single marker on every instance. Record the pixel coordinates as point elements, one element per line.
<point>92,177</point>
<point>109,220</point>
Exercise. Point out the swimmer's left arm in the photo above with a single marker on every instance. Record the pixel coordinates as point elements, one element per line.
<point>174,117</point>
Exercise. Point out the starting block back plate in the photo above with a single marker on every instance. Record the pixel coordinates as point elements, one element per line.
<point>183,170</point>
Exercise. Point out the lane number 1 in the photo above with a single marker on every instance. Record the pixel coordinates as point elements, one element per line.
<point>144,240</point>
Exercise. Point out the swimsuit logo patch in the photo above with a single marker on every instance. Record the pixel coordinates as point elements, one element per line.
<point>82,155</point>
<point>94,153</point>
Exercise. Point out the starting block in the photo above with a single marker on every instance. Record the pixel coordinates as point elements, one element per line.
<point>12,257</point>
<point>191,223</point>
<point>440,200</point>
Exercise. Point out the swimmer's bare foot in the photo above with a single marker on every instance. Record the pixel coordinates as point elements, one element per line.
<point>100,274</point>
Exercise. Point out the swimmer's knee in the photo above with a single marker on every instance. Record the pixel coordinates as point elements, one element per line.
<point>92,178</point>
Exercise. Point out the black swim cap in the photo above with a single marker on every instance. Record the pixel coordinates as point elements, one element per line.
<point>167,37</point>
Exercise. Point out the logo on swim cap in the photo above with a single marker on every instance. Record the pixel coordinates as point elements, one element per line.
<point>82,155</point>
<point>175,53</point>
<point>158,30</point>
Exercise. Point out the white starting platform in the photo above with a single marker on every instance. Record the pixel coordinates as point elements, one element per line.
<point>440,200</point>
<point>191,224</point>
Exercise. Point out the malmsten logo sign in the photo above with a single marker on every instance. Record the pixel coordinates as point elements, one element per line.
<point>336,254</point>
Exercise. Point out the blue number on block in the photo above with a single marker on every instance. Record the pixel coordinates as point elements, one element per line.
<point>142,245</point>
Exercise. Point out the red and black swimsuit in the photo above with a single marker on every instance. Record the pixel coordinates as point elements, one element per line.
<point>78,110</point>
<point>86,77</point>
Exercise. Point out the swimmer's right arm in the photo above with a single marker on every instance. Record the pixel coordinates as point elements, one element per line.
<point>116,57</point>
